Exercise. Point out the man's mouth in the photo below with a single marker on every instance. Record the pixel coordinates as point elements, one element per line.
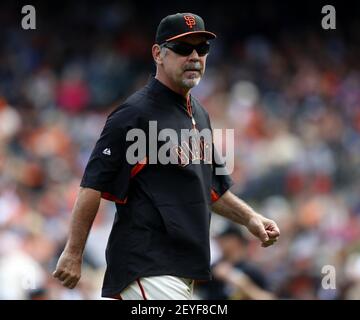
<point>192,70</point>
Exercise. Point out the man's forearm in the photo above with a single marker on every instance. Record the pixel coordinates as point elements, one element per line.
<point>83,215</point>
<point>233,208</point>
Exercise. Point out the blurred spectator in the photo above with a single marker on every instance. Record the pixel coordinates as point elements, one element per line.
<point>234,276</point>
<point>22,276</point>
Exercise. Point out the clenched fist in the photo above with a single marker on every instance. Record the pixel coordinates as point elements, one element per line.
<point>68,269</point>
<point>264,229</point>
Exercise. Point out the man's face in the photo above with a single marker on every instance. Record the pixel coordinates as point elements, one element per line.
<point>185,71</point>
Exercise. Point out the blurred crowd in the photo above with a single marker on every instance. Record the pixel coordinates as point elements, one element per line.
<point>294,105</point>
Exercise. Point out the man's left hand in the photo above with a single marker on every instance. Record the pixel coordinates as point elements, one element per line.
<point>264,229</point>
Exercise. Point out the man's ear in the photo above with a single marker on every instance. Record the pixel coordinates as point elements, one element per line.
<point>156,50</point>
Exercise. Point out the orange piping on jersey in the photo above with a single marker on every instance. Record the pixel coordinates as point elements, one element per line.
<point>109,196</point>
<point>138,167</point>
<point>214,195</point>
<point>188,106</point>
<point>189,111</point>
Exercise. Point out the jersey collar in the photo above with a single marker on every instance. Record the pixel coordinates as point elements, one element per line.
<point>163,91</point>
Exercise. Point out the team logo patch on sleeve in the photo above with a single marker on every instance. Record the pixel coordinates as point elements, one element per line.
<point>107,151</point>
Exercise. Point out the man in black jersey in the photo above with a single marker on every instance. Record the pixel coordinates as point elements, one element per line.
<point>159,243</point>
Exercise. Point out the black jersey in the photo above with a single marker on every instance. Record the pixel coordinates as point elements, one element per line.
<point>161,226</point>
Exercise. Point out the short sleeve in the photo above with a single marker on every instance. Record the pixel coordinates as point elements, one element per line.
<point>220,182</point>
<point>107,169</point>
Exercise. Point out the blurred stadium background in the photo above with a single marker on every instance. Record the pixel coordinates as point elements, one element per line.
<point>290,89</point>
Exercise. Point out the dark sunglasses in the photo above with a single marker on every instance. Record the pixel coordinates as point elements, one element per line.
<point>185,49</point>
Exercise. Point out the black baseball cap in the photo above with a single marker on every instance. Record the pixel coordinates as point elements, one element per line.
<point>181,24</point>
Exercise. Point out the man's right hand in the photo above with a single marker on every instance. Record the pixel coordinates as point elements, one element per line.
<point>68,269</point>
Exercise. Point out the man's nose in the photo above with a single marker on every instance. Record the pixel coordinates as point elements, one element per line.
<point>194,56</point>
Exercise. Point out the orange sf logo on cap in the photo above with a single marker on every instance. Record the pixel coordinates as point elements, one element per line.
<point>190,20</point>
